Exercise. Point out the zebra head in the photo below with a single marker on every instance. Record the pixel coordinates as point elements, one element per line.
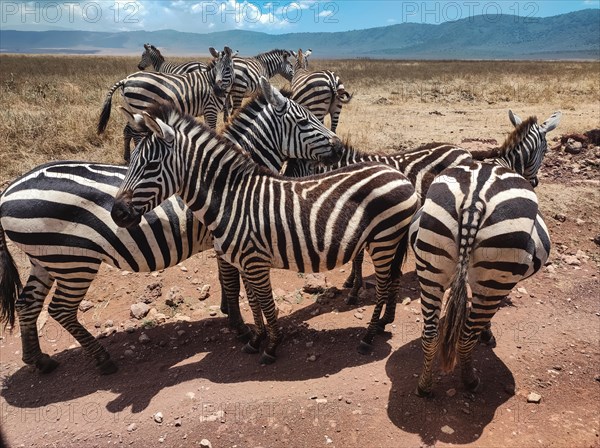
<point>527,145</point>
<point>301,60</point>
<point>150,57</point>
<point>151,174</point>
<point>224,71</point>
<point>302,135</point>
<point>287,69</point>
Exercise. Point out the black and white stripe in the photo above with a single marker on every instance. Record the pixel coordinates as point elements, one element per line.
<point>480,225</point>
<point>152,57</point>
<point>321,92</point>
<point>420,166</point>
<point>249,70</point>
<point>196,93</point>
<point>261,221</point>
<point>69,232</point>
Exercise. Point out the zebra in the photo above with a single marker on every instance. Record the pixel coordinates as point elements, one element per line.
<point>248,72</point>
<point>419,165</point>
<point>196,93</point>
<point>480,225</point>
<point>260,220</point>
<point>69,232</point>
<point>321,92</point>
<point>152,57</point>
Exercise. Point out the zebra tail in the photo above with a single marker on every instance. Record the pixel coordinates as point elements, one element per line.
<point>400,257</point>
<point>105,114</point>
<point>10,283</point>
<point>343,95</point>
<point>456,306</point>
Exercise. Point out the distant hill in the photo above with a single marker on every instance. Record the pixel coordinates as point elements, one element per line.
<point>568,36</point>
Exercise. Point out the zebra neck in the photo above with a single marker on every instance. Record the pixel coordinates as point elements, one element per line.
<point>515,158</point>
<point>157,62</point>
<point>260,142</point>
<point>350,156</point>
<point>215,177</point>
<point>271,63</point>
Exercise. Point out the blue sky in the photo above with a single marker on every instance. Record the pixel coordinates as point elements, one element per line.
<point>271,17</point>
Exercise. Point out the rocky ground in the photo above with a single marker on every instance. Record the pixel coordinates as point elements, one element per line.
<point>183,381</point>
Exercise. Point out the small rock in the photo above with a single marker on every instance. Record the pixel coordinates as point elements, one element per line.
<point>128,353</point>
<point>560,217</point>
<point>312,358</point>
<point>534,398</point>
<point>359,316</point>
<point>151,292</point>
<point>205,443</point>
<point>158,417</point>
<point>447,429</point>
<point>348,401</point>
<point>314,283</point>
<point>204,292</point>
<point>139,310</point>
<point>579,221</point>
<point>551,269</point>
<point>451,392</point>
<point>131,427</point>
<point>321,400</point>
<point>571,260</point>
<point>178,422</point>
<point>328,440</point>
<point>212,313</point>
<point>181,318</point>
<point>183,268</point>
<point>573,146</point>
<point>109,323</point>
<point>522,291</point>
<point>174,298</point>
<point>144,339</point>
<point>85,305</point>
<point>406,301</point>
<point>596,239</point>
<point>108,332</point>
<point>161,439</point>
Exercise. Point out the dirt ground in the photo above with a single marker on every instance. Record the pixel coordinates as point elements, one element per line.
<point>321,392</point>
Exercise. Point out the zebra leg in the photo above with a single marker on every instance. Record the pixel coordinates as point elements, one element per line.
<point>260,283</point>
<point>257,336</point>
<point>334,112</point>
<point>28,307</point>
<point>433,287</point>
<point>390,307</point>
<point>356,278</point>
<point>382,292</point>
<point>63,309</point>
<point>229,278</point>
<point>487,336</point>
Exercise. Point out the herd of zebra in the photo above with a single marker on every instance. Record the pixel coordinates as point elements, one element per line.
<point>275,189</point>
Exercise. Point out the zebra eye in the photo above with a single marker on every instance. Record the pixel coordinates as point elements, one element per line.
<point>303,122</point>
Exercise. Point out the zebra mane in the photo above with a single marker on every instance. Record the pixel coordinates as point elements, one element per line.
<point>256,103</point>
<point>277,51</point>
<point>516,136</point>
<point>156,50</point>
<point>186,123</point>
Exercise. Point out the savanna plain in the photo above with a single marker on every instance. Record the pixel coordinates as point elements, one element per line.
<point>321,392</point>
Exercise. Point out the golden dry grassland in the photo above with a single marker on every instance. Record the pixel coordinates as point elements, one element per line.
<point>51,104</point>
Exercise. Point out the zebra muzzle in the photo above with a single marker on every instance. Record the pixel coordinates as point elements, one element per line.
<point>124,214</point>
<point>337,149</point>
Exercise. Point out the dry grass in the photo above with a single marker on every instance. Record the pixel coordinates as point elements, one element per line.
<point>51,104</point>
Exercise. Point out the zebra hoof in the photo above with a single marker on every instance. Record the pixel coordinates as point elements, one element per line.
<point>487,337</point>
<point>248,348</point>
<point>422,393</point>
<point>225,309</point>
<point>267,359</point>
<point>364,348</point>
<point>474,385</point>
<point>107,367</point>
<point>46,364</point>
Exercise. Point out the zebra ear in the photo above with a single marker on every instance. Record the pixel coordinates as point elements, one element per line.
<point>308,52</point>
<point>551,122</point>
<point>213,52</point>
<point>146,46</point>
<point>293,53</point>
<point>514,118</point>
<point>273,96</point>
<point>161,129</point>
<point>135,121</point>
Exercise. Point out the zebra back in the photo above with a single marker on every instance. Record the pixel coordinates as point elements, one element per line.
<point>153,57</point>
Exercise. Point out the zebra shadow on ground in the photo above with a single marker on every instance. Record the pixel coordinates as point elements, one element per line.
<point>203,351</point>
<point>463,415</point>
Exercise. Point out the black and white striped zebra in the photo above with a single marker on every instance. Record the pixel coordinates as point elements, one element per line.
<point>67,231</point>
<point>249,70</point>
<point>480,226</point>
<point>321,92</point>
<point>420,166</point>
<point>261,221</point>
<point>196,93</point>
<point>152,57</point>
